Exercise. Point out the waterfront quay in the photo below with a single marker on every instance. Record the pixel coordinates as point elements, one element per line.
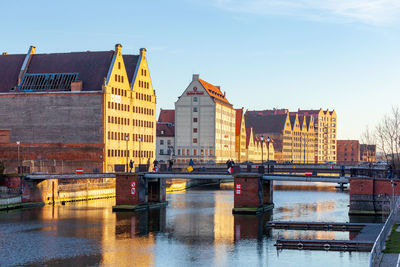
<point>196,228</point>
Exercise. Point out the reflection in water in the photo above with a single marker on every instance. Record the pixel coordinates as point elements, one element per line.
<point>197,228</point>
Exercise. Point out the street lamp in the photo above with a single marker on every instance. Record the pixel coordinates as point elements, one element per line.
<point>127,139</point>
<point>262,152</point>
<point>18,163</point>
<point>268,140</point>
<point>139,140</point>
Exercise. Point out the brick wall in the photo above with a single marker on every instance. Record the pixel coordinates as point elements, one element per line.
<point>59,117</point>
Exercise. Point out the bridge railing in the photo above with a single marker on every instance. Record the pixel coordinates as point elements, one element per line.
<point>85,186</point>
<point>380,242</point>
<point>6,192</point>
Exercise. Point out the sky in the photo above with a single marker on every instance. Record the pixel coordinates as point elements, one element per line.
<point>265,54</point>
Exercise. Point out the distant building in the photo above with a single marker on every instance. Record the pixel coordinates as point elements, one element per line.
<point>348,152</point>
<point>277,128</point>
<point>89,110</point>
<point>204,124</point>
<point>367,153</point>
<point>325,126</point>
<point>165,147</point>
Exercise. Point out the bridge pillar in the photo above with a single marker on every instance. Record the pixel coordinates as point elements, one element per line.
<point>133,192</point>
<point>252,194</point>
<point>42,191</point>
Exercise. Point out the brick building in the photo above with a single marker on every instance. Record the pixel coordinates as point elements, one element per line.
<point>367,153</point>
<point>348,152</point>
<point>62,111</point>
<point>165,147</point>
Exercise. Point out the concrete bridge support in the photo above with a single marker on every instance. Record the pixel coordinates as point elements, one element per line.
<point>252,194</point>
<point>44,191</point>
<point>134,192</point>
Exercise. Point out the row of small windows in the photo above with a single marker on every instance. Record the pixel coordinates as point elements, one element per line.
<point>118,106</point>
<point>117,136</point>
<point>144,72</point>
<point>144,84</point>
<point>140,123</point>
<point>126,153</point>
<point>118,120</point>
<point>136,137</point>
<point>118,91</point>
<point>186,152</point>
<point>143,138</point>
<point>143,97</point>
<point>118,153</point>
<point>142,110</point>
<point>119,78</point>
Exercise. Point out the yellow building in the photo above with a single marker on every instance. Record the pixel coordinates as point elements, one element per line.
<point>240,136</point>
<point>130,111</point>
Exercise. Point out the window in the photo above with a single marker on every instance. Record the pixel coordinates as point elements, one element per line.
<point>194,119</point>
<point>161,151</point>
<point>195,99</point>
<point>169,142</point>
<point>119,65</point>
<point>195,109</point>
<point>195,130</point>
<point>211,152</point>
<point>161,142</point>
<point>195,152</point>
<point>195,140</point>
<point>179,152</point>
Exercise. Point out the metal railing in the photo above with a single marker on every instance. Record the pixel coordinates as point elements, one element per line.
<point>380,241</point>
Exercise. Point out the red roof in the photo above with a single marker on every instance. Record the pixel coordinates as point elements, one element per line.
<point>214,92</point>
<point>165,129</point>
<point>167,115</point>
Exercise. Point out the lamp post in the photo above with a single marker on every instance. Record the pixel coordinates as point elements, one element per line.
<point>127,139</point>
<point>18,163</point>
<point>262,152</point>
<point>140,140</point>
<point>268,140</point>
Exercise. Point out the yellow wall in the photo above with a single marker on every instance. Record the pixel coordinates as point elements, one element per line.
<point>127,113</point>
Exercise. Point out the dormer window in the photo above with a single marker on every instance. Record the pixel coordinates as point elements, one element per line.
<point>195,99</point>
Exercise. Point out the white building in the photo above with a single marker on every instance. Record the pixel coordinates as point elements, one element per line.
<point>204,124</point>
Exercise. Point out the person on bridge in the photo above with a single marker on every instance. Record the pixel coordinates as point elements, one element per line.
<point>191,164</point>
<point>130,166</point>
<point>170,164</point>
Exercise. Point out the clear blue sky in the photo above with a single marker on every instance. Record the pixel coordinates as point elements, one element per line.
<point>341,55</point>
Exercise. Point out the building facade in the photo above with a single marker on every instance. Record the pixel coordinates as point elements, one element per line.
<point>204,124</point>
<point>67,106</point>
<point>348,152</point>
<point>325,126</point>
<point>367,153</point>
<point>165,147</point>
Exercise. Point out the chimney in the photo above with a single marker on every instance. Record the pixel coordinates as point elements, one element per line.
<point>195,77</point>
<point>118,48</point>
<point>76,86</point>
<point>224,93</point>
<point>27,60</point>
<point>143,52</point>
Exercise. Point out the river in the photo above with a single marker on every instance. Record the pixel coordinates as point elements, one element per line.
<point>196,229</point>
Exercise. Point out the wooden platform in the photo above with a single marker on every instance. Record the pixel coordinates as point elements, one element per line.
<point>322,226</point>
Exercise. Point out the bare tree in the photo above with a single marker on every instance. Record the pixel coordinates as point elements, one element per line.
<point>388,138</point>
<point>368,140</point>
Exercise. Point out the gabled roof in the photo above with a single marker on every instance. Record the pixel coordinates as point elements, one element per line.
<point>214,92</point>
<point>266,124</point>
<point>167,115</point>
<point>165,129</point>
<point>301,121</point>
<point>10,66</point>
<point>238,121</point>
<point>130,62</point>
<point>91,66</point>
<point>292,120</point>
